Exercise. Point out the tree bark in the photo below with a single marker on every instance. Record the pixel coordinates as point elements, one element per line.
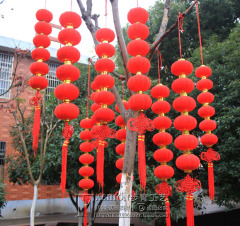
<point>32,215</point>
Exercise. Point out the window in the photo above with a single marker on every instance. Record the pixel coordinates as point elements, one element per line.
<point>53,81</point>
<point>6,64</point>
<point>2,159</point>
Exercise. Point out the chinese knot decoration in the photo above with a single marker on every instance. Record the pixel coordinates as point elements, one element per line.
<point>39,68</point>
<point>68,73</point>
<point>162,139</point>
<point>185,123</point>
<point>102,97</point>
<point>139,83</point>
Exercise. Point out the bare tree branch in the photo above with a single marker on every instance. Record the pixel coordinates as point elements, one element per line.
<point>87,18</point>
<point>120,38</point>
<point>160,39</point>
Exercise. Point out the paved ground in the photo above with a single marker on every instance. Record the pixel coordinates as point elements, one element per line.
<point>53,220</point>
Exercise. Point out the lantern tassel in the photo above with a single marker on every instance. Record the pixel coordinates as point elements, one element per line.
<point>64,166</point>
<point>189,209</point>
<point>100,164</point>
<point>168,218</point>
<point>85,214</point>
<point>36,128</point>
<point>211,181</point>
<point>67,133</point>
<point>142,161</point>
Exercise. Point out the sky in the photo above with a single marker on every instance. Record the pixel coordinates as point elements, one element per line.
<point>17,18</point>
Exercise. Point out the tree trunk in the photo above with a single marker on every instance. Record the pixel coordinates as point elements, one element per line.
<point>80,219</point>
<point>32,213</point>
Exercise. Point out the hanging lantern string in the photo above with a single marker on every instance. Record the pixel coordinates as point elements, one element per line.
<point>89,66</point>
<point>106,13</point>
<point>180,29</point>
<point>159,58</point>
<point>199,32</point>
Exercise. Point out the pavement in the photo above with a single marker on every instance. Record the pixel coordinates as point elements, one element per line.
<point>60,219</point>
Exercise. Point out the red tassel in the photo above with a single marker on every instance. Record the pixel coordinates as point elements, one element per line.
<point>168,218</point>
<point>85,215</point>
<point>100,164</point>
<point>189,209</point>
<point>36,128</point>
<point>142,161</point>
<point>211,181</point>
<point>64,166</point>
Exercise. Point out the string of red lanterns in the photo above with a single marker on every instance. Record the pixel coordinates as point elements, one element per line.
<point>39,68</point>
<point>207,125</point>
<point>103,97</point>
<point>139,83</point>
<point>162,139</point>
<point>68,73</point>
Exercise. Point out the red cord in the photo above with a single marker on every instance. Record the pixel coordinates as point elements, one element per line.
<point>159,56</point>
<point>89,66</point>
<point>180,29</point>
<point>199,32</point>
<point>106,13</point>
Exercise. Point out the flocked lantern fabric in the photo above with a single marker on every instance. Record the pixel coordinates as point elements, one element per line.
<point>139,83</point>
<point>67,73</point>
<point>39,68</point>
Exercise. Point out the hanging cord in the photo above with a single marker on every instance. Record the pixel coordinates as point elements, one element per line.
<point>45,4</point>
<point>199,32</point>
<point>159,58</point>
<point>71,5</point>
<point>89,66</point>
<point>180,29</point>
<point>106,13</point>
<point>137,3</point>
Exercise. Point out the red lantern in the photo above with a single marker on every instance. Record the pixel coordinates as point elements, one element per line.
<point>162,139</point>
<point>86,123</point>
<point>137,15</point>
<point>40,54</point>
<point>67,73</point>
<point>184,103</point>
<point>86,159</point>
<point>139,102</point>
<point>43,28</point>
<point>126,105</point>
<point>66,92</point>
<point>138,30</point>
<point>138,83</point>
<point>70,19</point>
<point>104,115</point>
<point>121,134</point>
<point>203,71</point>
<point>66,111</point>
<point>163,155</point>
<point>104,65</point>
<point>104,97</point>
<point>119,163</point>
<point>38,82</point>
<point>160,91</point>
<point>209,139</point>
<point>182,67</point>
<point>41,41</point>
<point>120,149</point>
<point>104,81</point>
<point>86,135</point>
<point>86,146</point>
<point>86,184</point>
<point>105,49</point>
<point>188,163</point>
<point>44,15</point>
<point>120,121</point>
<point>186,142</point>
<point>105,34</point>
<point>69,54</point>
<point>208,125</point>
<point>206,111</point>
<point>185,122</point>
<point>161,107</point>
<point>204,84</point>
<point>39,68</point>
<point>138,65</point>
<point>69,36</point>
<point>138,48</point>
<point>181,85</point>
<point>86,171</point>
<point>205,97</point>
<point>162,122</point>
<point>163,172</point>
